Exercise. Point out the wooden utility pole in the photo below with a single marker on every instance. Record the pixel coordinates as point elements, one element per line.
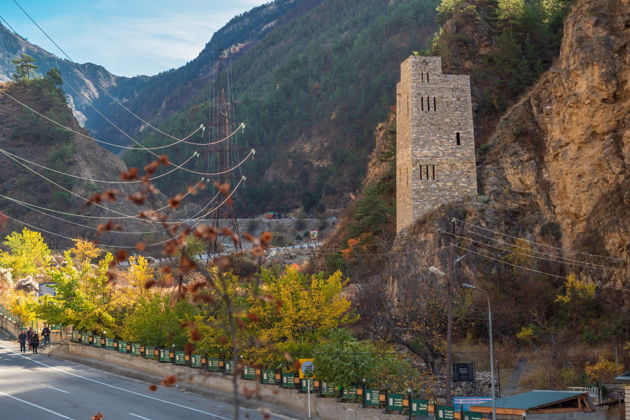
<point>449,304</point>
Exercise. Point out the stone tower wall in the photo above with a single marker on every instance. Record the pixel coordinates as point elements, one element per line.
<point>435,150</point>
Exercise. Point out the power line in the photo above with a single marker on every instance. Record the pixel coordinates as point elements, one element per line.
<point>533,270</point>
<point>576,262</point>
<point>105,91</point>
<point>123,246</point>
<point>8,24</point>
<point>537,243</point>
<point>91,179</point>
<point>182,140</point>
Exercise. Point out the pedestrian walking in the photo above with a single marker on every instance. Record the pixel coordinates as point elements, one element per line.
<point>29,336</point>
<point>22,339</point>
<point>46,335</point>
<point>35,342</point>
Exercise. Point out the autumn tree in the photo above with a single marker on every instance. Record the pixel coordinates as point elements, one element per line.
<point>28,253</point>
<point>295,312</point>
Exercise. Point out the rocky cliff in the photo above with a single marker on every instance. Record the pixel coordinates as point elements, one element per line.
<point>566,145</point>
<point>553,203</point>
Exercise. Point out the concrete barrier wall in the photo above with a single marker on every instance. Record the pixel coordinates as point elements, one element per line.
<point>10,327</point>
<point>323,408</point>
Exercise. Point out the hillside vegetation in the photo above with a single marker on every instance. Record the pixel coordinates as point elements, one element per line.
<point>310,93</point>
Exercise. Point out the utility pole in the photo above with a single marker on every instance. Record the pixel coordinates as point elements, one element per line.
<point>449,304</point>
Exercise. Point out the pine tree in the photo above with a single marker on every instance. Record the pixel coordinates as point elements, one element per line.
<point>23,67</point>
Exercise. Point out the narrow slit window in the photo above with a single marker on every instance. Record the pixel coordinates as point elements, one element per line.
<point>428,103</point>
<point>434,104</point>
<point>458,139</point>
<point>427,77</point>
<point>420,173</point>
<point>422,103</point>
<point>433,171</point>
<point>428,172</point>
<point>422,76</point>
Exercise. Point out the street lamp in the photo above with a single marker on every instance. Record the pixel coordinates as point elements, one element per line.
<point>494,409</point>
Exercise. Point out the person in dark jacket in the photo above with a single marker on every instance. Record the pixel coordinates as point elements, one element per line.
<point>22,339</point>
<point>34,342</point>
<point>46,335</point>
<point>29,336</point>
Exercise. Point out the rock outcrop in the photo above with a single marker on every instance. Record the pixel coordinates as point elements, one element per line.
<point>554,188</point>
<point>566,144</point>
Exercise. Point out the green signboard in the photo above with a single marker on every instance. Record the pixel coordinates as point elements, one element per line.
<point>469,415</point>
<point>149,352</point>
<point>86,339</point>
<point>109,343</point>
<point>310,383</point>
<point>214,364</point>
<point>288,379</point>
<point>268,377</point>
<point>180,358</point>
<point>249,373</point>
<point>76,336</point>
<point>164,356</point>
<point>372,398</point>
<point>122,346</point>
<point>444,412</point>
<point>419,407</point>
<point>229,367</point>
<point>349,393</point>
<point>395,402</point>
<point>195,361</point>
<point>327,390</point>
<point>135,349</point>
<point>96,340</point>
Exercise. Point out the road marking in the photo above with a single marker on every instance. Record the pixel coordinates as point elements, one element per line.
<point>140,417</point>
<point>57,389</point>
<point>35,405</point>
<point>117,387</point>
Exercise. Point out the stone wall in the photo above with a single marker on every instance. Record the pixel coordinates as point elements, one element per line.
<point>435,146</point>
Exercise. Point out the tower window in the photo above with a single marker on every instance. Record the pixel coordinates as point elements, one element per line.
<point>427,77</point>
<point>427,172</point>
<point>434,104</point>
<point>458,139</point>
<point>422,103</point>
<point>428,103</point>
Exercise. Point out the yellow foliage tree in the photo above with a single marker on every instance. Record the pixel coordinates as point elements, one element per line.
<point>603,371</point>
<point>295,312</point>
<point>28,253</point>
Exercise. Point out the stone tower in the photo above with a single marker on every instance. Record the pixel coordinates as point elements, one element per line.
<point>435,145</point>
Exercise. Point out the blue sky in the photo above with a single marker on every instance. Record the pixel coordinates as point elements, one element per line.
<point>127,37</point>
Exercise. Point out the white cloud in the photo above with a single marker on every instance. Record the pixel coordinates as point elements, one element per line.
<point>142,41</point>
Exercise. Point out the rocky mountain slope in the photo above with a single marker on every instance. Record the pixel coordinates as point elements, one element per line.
<point>548,237</point>
<point>26,135</point>
<point>92,89</point>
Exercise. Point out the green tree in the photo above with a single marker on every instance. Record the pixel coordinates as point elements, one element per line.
<point>55,76</point>
<point>156,321</point>
<point>23,67</point>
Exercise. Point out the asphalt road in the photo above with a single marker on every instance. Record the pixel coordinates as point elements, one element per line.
<point>34,387</point>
